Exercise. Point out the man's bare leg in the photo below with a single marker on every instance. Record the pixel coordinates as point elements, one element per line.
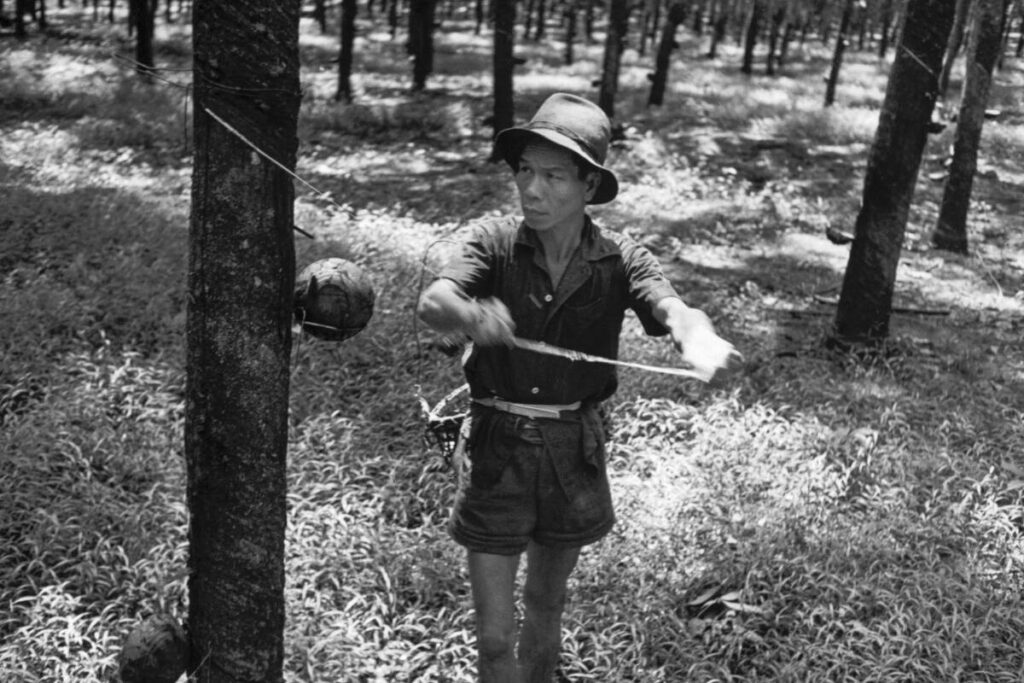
<point>493,580</point>
<point>544,598</point>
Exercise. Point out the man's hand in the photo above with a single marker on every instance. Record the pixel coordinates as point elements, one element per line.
<point>447,309</point>
<point>711,357</point>
<point>491,323</point>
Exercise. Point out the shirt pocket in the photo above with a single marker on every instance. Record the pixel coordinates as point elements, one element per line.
<point>581,317</point>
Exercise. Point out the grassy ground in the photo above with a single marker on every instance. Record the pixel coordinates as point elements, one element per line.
<point>828,517</point>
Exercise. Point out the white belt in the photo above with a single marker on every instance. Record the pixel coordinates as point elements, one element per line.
<point>551,410</point>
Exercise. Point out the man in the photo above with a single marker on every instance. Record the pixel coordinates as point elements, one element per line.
<point>537,481</point>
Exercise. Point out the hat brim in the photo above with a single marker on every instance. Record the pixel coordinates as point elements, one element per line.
<point>511,141</point>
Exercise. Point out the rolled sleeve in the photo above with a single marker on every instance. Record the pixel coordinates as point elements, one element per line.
<point>647,286</point>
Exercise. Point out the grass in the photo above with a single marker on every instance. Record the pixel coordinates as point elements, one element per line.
<point>828,517</point>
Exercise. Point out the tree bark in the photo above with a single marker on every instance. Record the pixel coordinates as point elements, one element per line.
<point>676,16</point>
<point>956,39</point>
<point>19,20</point>
<point>837,54</point>
<point>886,20</point>
<point>241,277</point>
<point>720,26</point>
<point>570,29</point>
<point>320,14</point>
<point>421,40</point>
<point>778,18</point>
<point>145,19</point>
<point>347,44</point>
<point>983,51</point>
<point>541,20</point>
<point>618,20</point>
<point>503,65</point>
<point>865,302</point>
<point>750,40</point>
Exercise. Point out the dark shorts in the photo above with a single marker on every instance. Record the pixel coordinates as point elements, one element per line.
<point>538,479</point>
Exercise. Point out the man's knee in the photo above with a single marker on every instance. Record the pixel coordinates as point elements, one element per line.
<point>544,601</point>
<point>494,643</point>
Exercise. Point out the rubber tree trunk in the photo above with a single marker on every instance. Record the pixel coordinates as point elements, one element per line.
<point>956,39</point>
<point>778,19</point>
<point>865,301</point>
<point>645,27</point>
<point>19,19</point>
<point>700,7</point>
<point>983,51</point>
<point>421,40</point>
<point>145,19</point>
<point>750,39</point>
<point>571,12</point>
<point>320,14</point>
<point>618,20</point>
<point>886,28</point>
<point>676,16</point>
<point>347,44</point>
<point>503,66</point>
<point>720,25</point>
<point>837,53</point>
<point>241,276</point>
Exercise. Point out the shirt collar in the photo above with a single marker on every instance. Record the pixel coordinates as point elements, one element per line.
<point>593,247</point>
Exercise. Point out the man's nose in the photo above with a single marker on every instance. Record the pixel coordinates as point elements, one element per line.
<point>532,187</point>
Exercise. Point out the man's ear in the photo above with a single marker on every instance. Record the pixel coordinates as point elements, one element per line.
<point>593,182</point>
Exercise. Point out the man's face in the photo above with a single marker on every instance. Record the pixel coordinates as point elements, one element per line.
<point>550,189</point>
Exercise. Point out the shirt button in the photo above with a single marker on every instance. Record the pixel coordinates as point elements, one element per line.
<point>535,390</point>
<point>548,298</point>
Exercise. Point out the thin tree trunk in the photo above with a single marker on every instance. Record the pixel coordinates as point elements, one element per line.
<point>19,20</point>
<point>347,45</point>
<point>503,65</point>
<point>145,11</point>
<point>676,16</point>
<point>570,30</point>
<point>421,41</point>
<point>1020,39</point>
<point>720,27</point>
<point>645,28</point>
<point>883,44</point>
<point>865,301</point>
<point>778,17</point>
<point>241,278</point>
<point>837,55</point>
<point>750,41</point>
<point>956,39</point>
<point>618,19</point>
<point>320,14</point>
<point>700,7</point>
<point>982,54</point>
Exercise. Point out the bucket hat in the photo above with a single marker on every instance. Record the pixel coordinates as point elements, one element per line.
<point>574,124</point>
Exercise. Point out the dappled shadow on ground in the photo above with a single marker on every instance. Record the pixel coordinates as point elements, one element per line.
<point>767,470</point>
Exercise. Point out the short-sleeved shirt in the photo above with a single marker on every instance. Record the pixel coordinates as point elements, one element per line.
<point>607,274</point>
